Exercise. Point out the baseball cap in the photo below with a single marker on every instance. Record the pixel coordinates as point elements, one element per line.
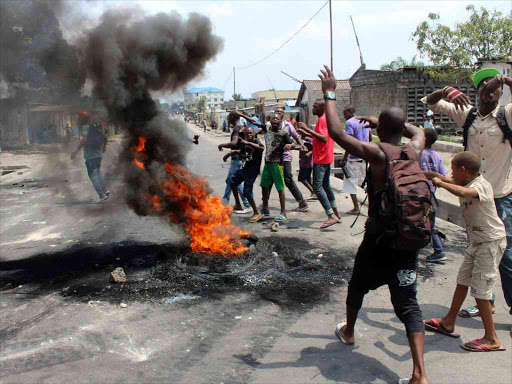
<point>483,74</point>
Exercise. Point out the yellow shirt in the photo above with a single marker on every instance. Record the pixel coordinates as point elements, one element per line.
<point>485,140</point>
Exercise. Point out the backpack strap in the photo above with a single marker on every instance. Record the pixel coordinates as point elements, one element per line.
<point>502,122</point>
<point>467,124</point>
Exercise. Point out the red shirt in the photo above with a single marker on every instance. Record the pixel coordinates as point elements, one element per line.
<point>323,152</point>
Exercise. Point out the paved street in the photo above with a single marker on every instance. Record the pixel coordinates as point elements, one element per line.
<point>53,331</point>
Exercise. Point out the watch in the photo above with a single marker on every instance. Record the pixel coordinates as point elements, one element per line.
<point>329,95</point>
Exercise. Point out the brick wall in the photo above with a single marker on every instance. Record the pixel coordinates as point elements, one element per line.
<point>342,101</point>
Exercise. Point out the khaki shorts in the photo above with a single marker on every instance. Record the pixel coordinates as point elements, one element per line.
<point>479,270</point>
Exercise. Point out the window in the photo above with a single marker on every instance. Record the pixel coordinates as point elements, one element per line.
<point>215,99</point>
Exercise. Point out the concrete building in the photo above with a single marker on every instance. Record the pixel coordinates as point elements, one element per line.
<point>311,90</point>
<point>275,95</point>
<point>372,90</point>
<point>505,67</point>
<point>214,97</point>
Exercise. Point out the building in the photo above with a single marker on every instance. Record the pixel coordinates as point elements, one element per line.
<point>311,90</point>
<point>505,67</point>
<point>373,90</point>
<point>214,97</point>
<point>272,95</point>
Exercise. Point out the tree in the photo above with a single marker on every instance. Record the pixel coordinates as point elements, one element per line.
<point>456,51</point>
<point>400,62</point>
<point>237,97</point>
<point>201,105</point>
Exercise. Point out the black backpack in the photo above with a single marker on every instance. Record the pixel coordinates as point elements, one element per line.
<point>500,118</point>
<point>95,138</point>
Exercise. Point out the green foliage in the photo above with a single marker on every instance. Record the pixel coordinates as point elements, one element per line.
<point>201,104</point>
<point>455,51</point>
<point>400,62</point>
<point>237,96</point>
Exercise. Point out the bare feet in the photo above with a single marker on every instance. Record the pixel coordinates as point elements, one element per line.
<point>353,212</point>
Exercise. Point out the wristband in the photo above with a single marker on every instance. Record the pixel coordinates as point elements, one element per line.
<point>329,95</point>
<point>451,93</point>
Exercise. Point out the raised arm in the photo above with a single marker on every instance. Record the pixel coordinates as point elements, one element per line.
<point>234,142</point>
<point>417,137</point>
<point>251,120</point>
<point>456,190</point>
<point>366,151</point>
<point>312,133</point>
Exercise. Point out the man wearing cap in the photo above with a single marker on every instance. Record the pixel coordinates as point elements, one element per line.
<point>488,134</point>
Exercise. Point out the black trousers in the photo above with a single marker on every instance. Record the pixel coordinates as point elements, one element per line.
<point>376,265</point>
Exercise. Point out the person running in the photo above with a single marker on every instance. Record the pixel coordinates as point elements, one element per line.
<point>376,262</point>
<point>277,142</point>
<point>354,165</point>
<point>486,139</point>
<point>94,143</point>
<point>487,241</point>
<point>251,152</point>
<point>287,164</point>
<point>431,161</point>
<point>236,163</point>
<point>323,156</point>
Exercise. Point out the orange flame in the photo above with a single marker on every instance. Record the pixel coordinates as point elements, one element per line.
<point>205,218</point>
<point>139,163</point>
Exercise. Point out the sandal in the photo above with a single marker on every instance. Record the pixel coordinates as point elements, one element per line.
<point>301,209</point>
<point>477,346</point>
<point>280,219</point>
<point>435,326</point>
<point>328,223</point>
<point>256,218</point>
<point>473,310</point>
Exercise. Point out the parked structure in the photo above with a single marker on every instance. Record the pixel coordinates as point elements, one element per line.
<point>214,97</point>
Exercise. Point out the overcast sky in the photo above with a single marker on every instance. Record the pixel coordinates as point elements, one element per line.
<point>253,29</point>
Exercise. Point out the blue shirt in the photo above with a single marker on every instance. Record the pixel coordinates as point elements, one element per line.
<point>252,125</point>
<point>431,161</point>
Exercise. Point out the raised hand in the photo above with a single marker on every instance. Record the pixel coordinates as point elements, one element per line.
<point>371,120</point>
<point>328,79</point>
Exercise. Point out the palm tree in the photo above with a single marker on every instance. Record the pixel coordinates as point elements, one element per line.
<point>400,62</point>
<point>237,97</point>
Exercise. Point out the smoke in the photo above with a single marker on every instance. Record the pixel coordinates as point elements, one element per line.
<point>127,56</point>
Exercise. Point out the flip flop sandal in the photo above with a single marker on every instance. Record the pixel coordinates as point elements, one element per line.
<point>437,328</point>
<point>256,218</point>
<point>352,213</point>
<point>280,219</point>
<point>472,311</point>
<point>265,213</point>
<point>476,346</point>
<point>337,333</point>
<point>327,224</point>
<point>403,381</point>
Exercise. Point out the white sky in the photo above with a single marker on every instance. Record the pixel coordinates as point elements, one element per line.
<point>253,29</point>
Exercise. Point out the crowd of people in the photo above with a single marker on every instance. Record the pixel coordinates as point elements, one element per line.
<point>481,178</point>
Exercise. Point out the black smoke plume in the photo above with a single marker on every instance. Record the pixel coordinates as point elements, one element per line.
<point>127,57</point>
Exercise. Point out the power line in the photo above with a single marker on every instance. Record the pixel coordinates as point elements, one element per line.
<point>287,41</point>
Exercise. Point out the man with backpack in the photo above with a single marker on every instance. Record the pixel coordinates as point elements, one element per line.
<point>388,253</point>
<point>487,131</point>
<point>94,143</point>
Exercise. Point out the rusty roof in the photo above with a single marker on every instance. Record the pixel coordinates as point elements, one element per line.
<point>316,85</point>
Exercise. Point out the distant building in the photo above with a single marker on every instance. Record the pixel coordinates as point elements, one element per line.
<point>214,97</point>
<point>275,95</point>
<point>311,90</point>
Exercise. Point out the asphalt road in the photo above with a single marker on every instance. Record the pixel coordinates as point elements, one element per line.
<point>51,333</point>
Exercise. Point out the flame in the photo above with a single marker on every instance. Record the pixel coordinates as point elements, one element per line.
<point>139,163</point>
<point>204,216</point>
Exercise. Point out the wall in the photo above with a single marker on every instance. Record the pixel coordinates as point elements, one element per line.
<point>13,123</point>
<point>310,96</point>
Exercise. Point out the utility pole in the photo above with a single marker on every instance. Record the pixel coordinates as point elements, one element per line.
<point>357,41</point>
<point>330,23</point>
<point>234,85</point>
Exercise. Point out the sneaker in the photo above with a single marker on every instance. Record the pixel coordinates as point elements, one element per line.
<point>104,197</point>
<point>242,211</point>
<point>436,257</point>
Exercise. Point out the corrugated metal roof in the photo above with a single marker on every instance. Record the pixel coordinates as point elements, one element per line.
<point>56,108</point>
<point>208,89</point>
<point>316,85</point>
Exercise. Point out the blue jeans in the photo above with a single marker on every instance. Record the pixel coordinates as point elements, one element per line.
<point>504,208</point>
<point>436,241</point>
<point>235,166</point>
<point>93,170</point>
<point>322,187</point>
